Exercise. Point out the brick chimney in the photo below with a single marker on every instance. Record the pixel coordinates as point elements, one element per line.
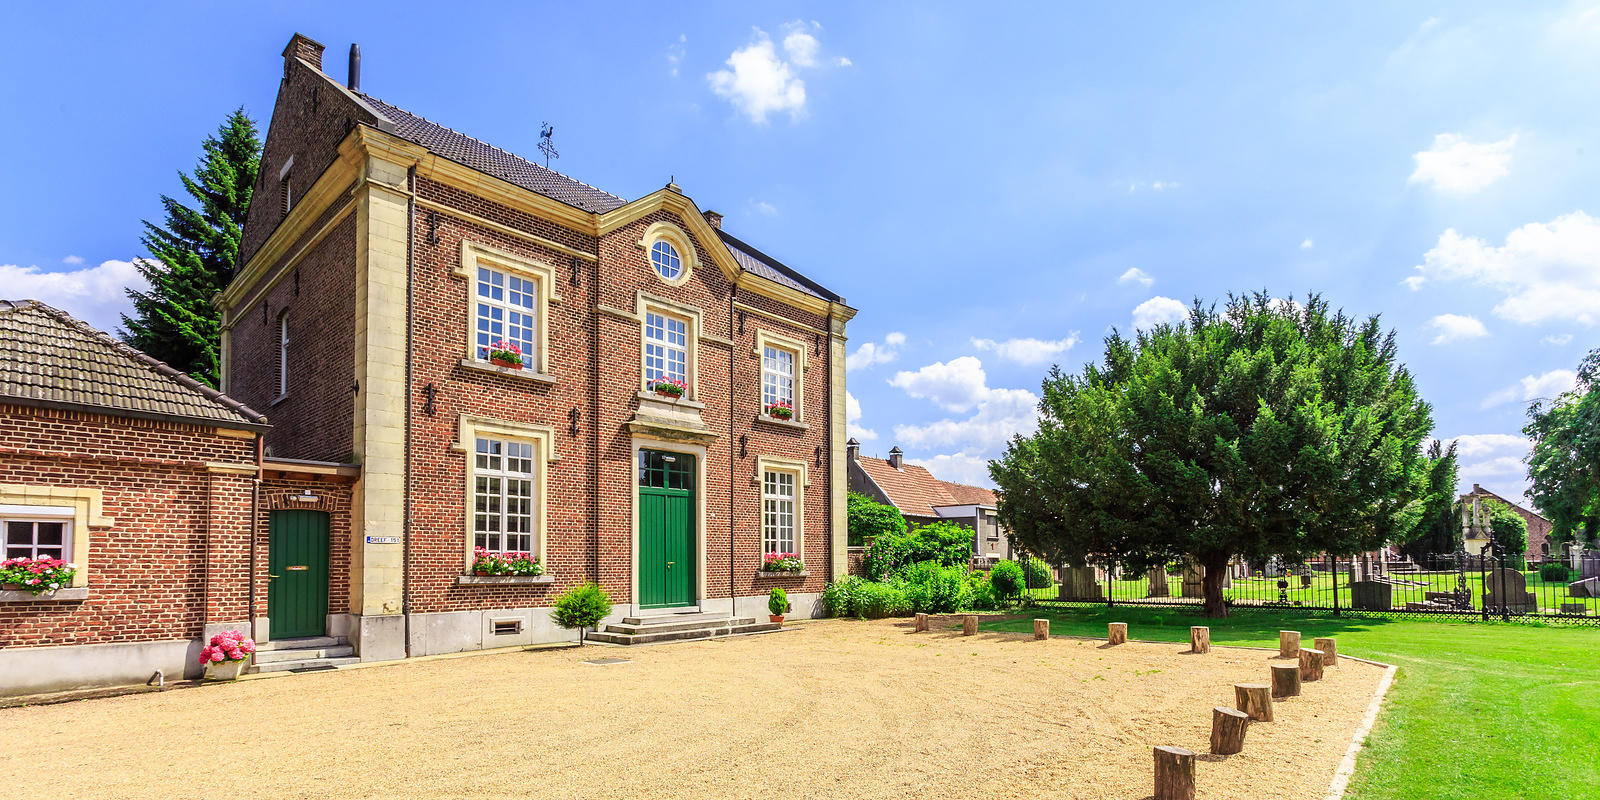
<point>713,219</point>
<point>896,457</point>
<point>306,49</point>
<point>852,449</point>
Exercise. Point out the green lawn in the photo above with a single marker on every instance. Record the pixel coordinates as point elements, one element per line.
<point>1549,596</point>
<point>1478,710</point>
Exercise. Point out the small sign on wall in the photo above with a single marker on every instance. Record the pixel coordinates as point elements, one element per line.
<point>383,540</point>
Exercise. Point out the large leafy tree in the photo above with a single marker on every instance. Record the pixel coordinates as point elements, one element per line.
<point>1264,428</point>
<point>194,254</point>
<point>1438,528</point>
<point>1564,464</point>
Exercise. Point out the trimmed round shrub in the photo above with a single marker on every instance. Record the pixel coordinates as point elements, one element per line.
<point>1038,574</point>
<point>1555,573</point>
<point>1007,579</point>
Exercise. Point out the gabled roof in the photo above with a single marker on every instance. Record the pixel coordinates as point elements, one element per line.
<point>1479,491</point>
<point>50,359</point>
<point>766,266</point>
<point>915,491</point>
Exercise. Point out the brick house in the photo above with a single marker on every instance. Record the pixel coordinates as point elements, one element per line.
<point>385,254</point>
<point>1476,539</point>
<point>923,498</point>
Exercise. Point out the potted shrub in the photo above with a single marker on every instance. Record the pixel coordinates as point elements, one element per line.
<point>582,607</point>
<point>226,656</point>
<point>668,387</point>
<point>777,605</point>
<point>505,355</point>
<point>36,576</point>
<point>780,410</point>
<point>782,562</point>
<point>485,562</point>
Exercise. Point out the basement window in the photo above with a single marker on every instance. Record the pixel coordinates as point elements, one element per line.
<point>507,627</point>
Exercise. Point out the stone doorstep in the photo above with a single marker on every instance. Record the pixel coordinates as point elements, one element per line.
<point>284,666</point>
<point>716,632</point>
<point>304,654</point>
<point>304,643</point>
<point>630,627</point>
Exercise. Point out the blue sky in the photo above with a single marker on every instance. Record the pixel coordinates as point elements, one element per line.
<point>995,187</point>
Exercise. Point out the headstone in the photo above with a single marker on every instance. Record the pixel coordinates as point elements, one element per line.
<point>1574,608</point>
<point>1078,583</point>
<point>1589,564</point>
<point>1508,588</point>
<point>1159,587</point>
<point>1194,577</point>
<point>1588,587</point>
<point>1305,580</point>
<point>1372,596</point>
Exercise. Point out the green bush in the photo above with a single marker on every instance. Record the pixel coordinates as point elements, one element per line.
<point>1555,573</point>
<point>983,598</point>
<point>936,589</point>
<point>944,543</point>
<point>879,600</point>
<point>582,606</point>
<point>841,598</point>
<point>1039,576</point>
<point>777,602</point>
<point>867,519</point>
<point>1007,579</point>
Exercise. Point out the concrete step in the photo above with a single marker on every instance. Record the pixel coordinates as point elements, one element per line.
<point>633,625</point>
<point>674,618</point>
<point>746,626</point>
<point>304,654</point>
<point>314,663</point>
<point>302,643</point>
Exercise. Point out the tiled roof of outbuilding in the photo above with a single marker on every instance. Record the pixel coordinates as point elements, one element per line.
<point>50,358</point>
<point>915,491</point>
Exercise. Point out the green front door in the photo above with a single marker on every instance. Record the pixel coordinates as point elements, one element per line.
<point>666,529</point>
<point>297,594</point>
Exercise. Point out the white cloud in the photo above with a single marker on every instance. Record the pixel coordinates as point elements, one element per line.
<point>954,385</point>
<point>93,294</point>
<point>1028,351</point>
<point>759,83</point>
<point>870,353</point>
<point>1307,244</point>
<point>1534,387</point>
<point>1546,271</point>
<point>844,62</point>
<point>1136,275</point>
<point>1493,459</point>
<point>1414,282</point>
<point>763,208</point>
<point>1557,339</point>
<point>1457,328</point>
<point>801,47</point>
<point>1454,164</point>
<point>1000,414</point>
<point>675,53</point>
<point>1154,186</point>
<point>1479,445</point>
<point>852,419</point>
<point>73,260</point>
<point>1157,311</point>
<point>958,468</point>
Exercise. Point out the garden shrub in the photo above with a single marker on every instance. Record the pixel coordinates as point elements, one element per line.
<point>879,600</point>
<point>582,606</point>
<point>778,602</point>
<point>945,543</point>
<point>840,598</point>
<point>868,519</point>
<point>983,598</point>
<point>935,588</point>
<point>1007,579</point>
<point>1555,573</point>
<point>1039,576</point>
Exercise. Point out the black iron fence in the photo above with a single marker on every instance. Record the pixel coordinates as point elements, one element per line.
<point>1444,586</point>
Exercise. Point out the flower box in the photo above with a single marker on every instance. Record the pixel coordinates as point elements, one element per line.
<point>782,563</point>
<point>507,363</point>
<point>782,411</point>
<point>486,563</point>
<point>227,655</point>
<point>36,576</point>
<point>505,355</point>
<point>669,387</point>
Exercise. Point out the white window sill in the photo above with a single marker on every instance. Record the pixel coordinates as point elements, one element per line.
<point>524,374</point>
<point>503,580</point>
<point>57,596</point>
<point>677,401</point>
<point>761,573</point>
<point>782,423</point>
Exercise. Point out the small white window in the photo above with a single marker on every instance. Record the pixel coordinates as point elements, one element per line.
<point>283,354</point>
<point>37,538</point>
<point>777,377</point>
<point>506,314</point>
<point>777,512</point>
<point>664,257</point>
<point>502,494</point>
<point>666,348</point>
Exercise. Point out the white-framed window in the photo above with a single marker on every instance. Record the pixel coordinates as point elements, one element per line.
<point>666,347</point>
<point>503,495</point>
<point>777,376</point>
<point>283,354</point>
<point>41,537</point>
<point>778,512</point>
<point>664,257</point>
<point>507,311</point>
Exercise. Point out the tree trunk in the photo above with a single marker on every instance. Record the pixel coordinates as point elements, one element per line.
<point>1330,651</point>
<point>1310,665</point>
<point>1254,699</point>
<point>1041,629</point>
<point>1117,632</point>
<point>969,624</point>
<point>1199,639</point>
<point>1288,644</point>
<point>1227,730</point>
<point>1174,773</point>
<point>1216,569</point>
<point>922,622</point>
<point>1285,680</point>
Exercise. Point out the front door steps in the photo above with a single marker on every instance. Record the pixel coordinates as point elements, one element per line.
<point>309,653</point>
<point>679,627</point>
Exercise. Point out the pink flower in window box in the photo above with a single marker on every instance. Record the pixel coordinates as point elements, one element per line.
<point>505,355</point>
<point>668,387</point>
<point>780,410</point>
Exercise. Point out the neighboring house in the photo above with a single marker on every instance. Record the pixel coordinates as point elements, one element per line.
<point>923,498</point>
<point>1475,538</point>
<point>384,254</point>
<point>145,480</point>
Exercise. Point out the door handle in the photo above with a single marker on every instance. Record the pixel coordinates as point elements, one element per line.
<point>670,563</point>
<point>270,575</point>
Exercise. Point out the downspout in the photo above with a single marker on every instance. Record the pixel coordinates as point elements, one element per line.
<point>405,508</point>
<point>255,527</point>
<point>733,455</point>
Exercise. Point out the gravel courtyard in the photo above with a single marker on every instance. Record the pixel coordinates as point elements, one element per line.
<point>835,709</point>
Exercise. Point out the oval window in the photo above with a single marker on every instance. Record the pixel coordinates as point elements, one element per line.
<point>666,260</point>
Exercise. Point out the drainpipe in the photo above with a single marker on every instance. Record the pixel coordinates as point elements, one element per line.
<point>405,509</point>
<point>255,526</point>
<point>733,454</point>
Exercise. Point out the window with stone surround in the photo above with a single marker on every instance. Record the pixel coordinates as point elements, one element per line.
<point>507,311</point>
<point>666,347</point>
<point>503,496</point>
<point>777,376</point>
<point>508,299</point>
<point>778,511</point>
<point>37,533</point>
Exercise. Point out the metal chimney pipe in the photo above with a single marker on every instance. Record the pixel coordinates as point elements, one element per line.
<point>355,68</point>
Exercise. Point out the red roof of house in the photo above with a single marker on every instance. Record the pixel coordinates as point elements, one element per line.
<point>915,491</point>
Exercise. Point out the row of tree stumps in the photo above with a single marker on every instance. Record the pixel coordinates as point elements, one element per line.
<point>1174,766</point>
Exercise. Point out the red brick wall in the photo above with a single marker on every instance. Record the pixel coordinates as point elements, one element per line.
<point>148,576</point>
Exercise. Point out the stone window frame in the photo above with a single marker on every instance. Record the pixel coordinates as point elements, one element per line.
<point>797,348</point>
<point>646,304</point>
<point>82,505</point>
<point>543,275</point>
<point>680,241</point>
<point>802,481</point>
<point>543,438</point>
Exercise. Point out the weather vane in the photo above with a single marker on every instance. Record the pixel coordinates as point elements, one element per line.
<point>546,146</point>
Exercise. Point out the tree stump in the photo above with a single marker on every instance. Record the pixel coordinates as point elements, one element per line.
<point>1227,730</point>
<point>1174,774</point>
<point>1041,630</point>
<point>1310,664</point>
<point>1330,651</point>
<point>922,622</point>
<point>1199,639</point>
<point>1285,680</point>
<point>1117,632</point>
<point>1288,643</point>
<point>1254,699</point>
<point>969,624</point>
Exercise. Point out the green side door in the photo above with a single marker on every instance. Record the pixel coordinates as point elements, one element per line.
<point>666,529</point>
<point>297,593</point>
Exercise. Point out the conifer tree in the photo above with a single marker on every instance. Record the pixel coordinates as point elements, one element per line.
<point>194,254</point>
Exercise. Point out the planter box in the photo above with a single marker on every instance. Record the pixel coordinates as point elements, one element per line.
<point>504,364</point>
<point>761,573</point>
<point>225,670</point>
<point>503,580</point>
<point>57,596</point>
